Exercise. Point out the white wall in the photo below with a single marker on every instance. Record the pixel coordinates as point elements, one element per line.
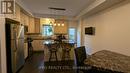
<point>112,30</point>
<point>73,24</point>
<point>79,33</point>
<point>3,50</point>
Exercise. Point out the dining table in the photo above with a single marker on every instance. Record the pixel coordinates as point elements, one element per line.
<point>109,62</point>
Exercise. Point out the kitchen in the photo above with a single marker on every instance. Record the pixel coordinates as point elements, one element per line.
<point>33,27</point>
<point>36,35</point>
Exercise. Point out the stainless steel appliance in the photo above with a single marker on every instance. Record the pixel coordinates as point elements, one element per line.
<point>14,45</point>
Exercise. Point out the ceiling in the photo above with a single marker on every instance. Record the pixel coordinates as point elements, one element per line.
<point>74,8</point>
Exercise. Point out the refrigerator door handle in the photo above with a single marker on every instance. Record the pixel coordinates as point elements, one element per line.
<point>15,41</point>
<point>15,45</point>
<point>20,30</point>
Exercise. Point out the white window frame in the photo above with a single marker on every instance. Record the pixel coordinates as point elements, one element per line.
<point>43,30</point>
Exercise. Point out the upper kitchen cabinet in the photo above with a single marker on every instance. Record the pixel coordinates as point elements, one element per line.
<point>34,25</point>
<point>31,27</point>
<point>24,19</point>
<point>37,25</point>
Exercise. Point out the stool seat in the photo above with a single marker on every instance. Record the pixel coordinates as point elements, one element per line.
<point>66,51</point>
<point>53,52</point>
<point>66,54</point>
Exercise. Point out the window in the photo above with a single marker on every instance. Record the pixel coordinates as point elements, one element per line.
<point>47,30</point>
<point>72,34</point>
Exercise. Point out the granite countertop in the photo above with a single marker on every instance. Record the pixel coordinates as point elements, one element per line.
<point>108,60</point>
<point>38,37</point>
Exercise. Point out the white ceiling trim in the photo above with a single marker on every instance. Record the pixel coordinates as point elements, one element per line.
<point>21,4</point>
<point>89,8</point>
<point>54,16</point>
<point>95,6</point>
<point>73,7</point>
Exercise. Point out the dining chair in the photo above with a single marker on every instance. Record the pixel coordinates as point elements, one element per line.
<point>80,54</point>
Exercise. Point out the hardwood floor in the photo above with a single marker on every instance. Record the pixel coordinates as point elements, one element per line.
<point>36,64</point>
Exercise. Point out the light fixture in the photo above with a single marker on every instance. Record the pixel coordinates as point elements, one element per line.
<point>51,23</point>
<point>55,24</point>
<point>57,21</point>
<point>58,24</point>
<point>62,24</point>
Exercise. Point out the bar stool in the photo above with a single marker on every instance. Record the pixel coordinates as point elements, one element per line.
<point>53,51</point>
<point>30,47</point>
<point>66,51</point>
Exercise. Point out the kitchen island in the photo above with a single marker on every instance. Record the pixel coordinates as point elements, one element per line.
<point>39,43</point>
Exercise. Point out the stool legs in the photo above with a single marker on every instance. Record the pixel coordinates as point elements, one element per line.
<point>50,56</point>
<point>56,56</point>
<point>53,54</point>
<point>66,55</point>
<point>30,49</point>
<point>63,55</point>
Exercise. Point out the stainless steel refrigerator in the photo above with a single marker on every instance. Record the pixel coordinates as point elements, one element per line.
<point>14,45</point>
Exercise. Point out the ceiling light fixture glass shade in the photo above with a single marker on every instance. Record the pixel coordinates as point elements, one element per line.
<point>57,22</point>
<point>62,24</point>
<point>51,23</point>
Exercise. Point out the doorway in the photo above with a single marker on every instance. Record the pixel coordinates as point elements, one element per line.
<point>72,34</point>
